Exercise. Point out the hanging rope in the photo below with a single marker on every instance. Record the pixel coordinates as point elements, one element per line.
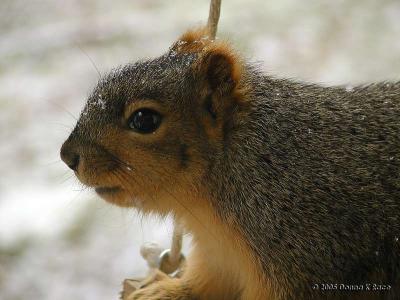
<point>213,18</point>
<point>172,259</point>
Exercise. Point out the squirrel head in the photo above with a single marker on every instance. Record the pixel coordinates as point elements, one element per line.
<point>150,131</point>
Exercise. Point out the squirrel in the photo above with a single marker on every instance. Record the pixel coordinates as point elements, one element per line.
<point>290,190</point>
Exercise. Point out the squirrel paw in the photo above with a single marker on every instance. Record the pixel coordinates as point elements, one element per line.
<point>159,286</point>
<point>160,290</point>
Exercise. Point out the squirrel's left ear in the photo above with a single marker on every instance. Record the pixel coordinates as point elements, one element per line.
<point>220,68</point>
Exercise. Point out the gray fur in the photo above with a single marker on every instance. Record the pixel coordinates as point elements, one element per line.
<point>312,177</point>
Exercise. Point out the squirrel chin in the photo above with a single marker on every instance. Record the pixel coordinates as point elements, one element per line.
<point>119,197</point>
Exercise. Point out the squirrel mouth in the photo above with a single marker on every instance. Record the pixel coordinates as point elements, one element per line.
<point>105,190</point>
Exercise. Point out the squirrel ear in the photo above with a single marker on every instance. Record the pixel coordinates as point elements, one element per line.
<point>216,62</point>
<point>220,68</point>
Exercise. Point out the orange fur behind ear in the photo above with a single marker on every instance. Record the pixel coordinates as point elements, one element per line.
<point>198,41</point>
<point>194,36</point>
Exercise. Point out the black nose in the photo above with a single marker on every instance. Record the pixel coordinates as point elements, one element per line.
<point>69,156</point>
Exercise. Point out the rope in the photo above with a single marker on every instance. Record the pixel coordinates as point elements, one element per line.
<point>176,245</point>
<point>172,259</point>
<point>213,17</point>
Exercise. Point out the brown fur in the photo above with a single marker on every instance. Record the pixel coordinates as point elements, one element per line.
<point>273,178</point>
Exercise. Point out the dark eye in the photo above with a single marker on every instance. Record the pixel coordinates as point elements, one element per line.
<point>144,120</point>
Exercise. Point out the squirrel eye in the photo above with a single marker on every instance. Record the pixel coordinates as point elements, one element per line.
<point>144,120</point>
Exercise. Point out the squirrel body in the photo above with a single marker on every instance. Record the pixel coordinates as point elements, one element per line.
<point>290,190</point>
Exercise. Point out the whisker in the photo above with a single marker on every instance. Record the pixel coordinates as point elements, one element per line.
<point>68,178</point>
<point>90,59</point>
<point>61,124</point>
<point>52,163</point>
<point>63,108</point>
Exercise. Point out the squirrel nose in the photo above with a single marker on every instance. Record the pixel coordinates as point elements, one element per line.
<point>70,157</point>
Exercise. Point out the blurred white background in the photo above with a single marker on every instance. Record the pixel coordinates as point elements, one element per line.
<point>57,240</point>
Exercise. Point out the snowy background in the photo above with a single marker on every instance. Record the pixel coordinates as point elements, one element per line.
<point>57,240</point>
